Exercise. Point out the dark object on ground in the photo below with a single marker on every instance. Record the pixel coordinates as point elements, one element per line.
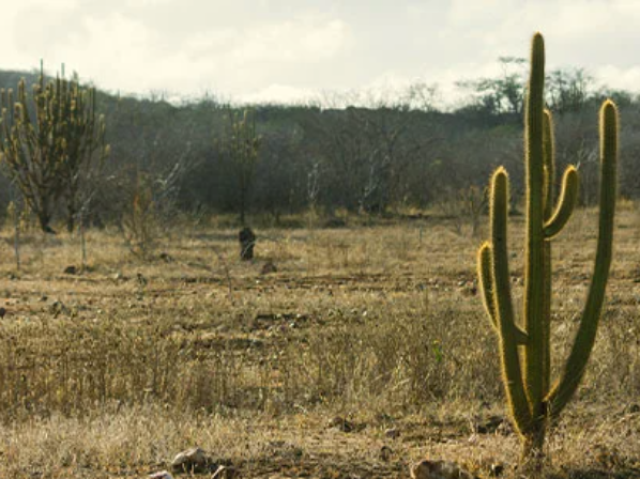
<point>166,257</point>
<point>70,270</point>
<point>247,242</point>
<point>334,223</point>
<point>268,268</point>
<point>344,425</point>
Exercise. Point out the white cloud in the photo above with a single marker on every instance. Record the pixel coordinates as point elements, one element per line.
<point>279,93</point>
<point>119,52</point>
<point>619,78</point>
<point>145,3</point>
<point>285,49</point>
<point>304,40</point>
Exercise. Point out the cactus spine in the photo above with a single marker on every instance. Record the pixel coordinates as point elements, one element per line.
<point>525,350</point>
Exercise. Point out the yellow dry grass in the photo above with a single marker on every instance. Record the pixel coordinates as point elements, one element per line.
<point>111,371</point>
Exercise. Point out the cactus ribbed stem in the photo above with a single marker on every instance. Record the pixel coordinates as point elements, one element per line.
<point>566,203</point>
<point>548,146</point>
<point>486,282</point>
<point>548,149</point>
<point>526,371</point>
<point>534,266</point>
<point>583,344</point>
<point>502,301</point>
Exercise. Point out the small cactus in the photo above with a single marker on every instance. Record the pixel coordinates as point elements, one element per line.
<point>525,345</point>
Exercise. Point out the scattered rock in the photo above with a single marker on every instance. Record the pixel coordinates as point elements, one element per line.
<point>225,472</point>
<point>191,460</point>
<point>468,288</point>
<point>342,424</point>
<point>630,409</point>
<point>392,433</point>
<point>284,450</point>
<point>166,257</point>
<point>71,269</point>
<point>57,308</point>
<point>384,417</point>
<point>497,469</point>
<point>491,425</point>
<point>142,281</point>
<point>268,268</point>
<point>3,311</point>
<point>439,470</point>
<point>160,475</point>
<point>385,453</point>
<point>278,321</point>
<point>606,456</point>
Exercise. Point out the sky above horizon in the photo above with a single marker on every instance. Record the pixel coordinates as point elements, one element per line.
<point>296,50</point>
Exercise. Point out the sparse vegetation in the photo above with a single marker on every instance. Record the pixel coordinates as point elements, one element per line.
<point>348,348</point>
<point>369,324</point>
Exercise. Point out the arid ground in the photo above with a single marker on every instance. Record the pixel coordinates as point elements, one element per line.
<point>366,350</point>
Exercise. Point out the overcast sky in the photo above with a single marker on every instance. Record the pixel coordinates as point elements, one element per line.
<point>289,50</point>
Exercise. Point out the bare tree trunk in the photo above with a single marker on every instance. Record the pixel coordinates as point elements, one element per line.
<point>16,238</point>
<point>44,218</point>
<point>71,216</point>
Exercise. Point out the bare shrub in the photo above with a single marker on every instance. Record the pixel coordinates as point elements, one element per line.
<point>464,206</point>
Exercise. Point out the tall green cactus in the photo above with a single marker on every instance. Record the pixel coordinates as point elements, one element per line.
<point>46,138</point>
<point>525,345</point>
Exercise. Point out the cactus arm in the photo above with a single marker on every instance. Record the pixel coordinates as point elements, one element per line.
<point>485,282</point>
<point>548,146</point>
<point>511,369</point>
<point>534,266</point>
<point>486,288</point>
<point>566,203</point>
<point>576,363</point>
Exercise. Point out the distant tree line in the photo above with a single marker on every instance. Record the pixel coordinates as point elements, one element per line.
<point>208,156</point>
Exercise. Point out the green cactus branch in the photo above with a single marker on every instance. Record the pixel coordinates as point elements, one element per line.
<point>502,301</point>
<point>566,203</point>
<point>525,352</point>
<point>548,149</point>
<point>486,288</point>
<point>583,344</point>
<point>485,282</point>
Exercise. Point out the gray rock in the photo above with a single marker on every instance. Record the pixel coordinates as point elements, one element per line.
<point>439,470</point>
<point>268,268</point>
<point>392,433</point>
<point>71,269</point>
<point>191,460</point>
<point>225,472</point>
<point>160,475</point>
<point>342,424</point>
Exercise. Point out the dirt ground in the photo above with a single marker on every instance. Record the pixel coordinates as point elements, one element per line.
<point>365,350</point>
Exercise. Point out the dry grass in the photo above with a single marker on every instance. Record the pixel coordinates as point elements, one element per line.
<point>111,371</point>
